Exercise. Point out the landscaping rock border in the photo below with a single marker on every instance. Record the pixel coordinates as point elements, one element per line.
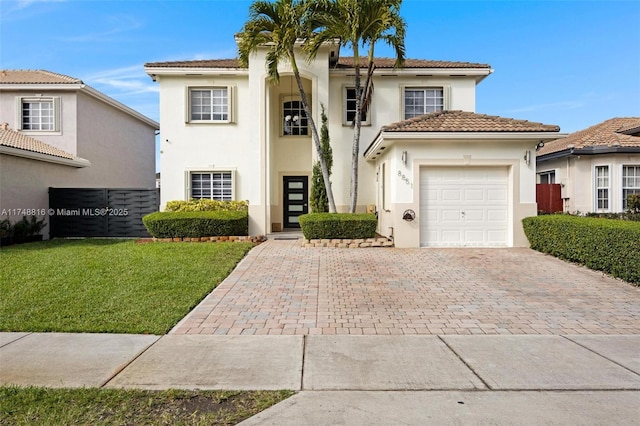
<point>349,243</point>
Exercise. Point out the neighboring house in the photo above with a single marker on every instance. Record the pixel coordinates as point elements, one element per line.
<point>228,134</point>
<point>59,132</point>
<point>597,167</point>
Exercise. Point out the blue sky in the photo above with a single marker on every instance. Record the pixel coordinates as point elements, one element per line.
<point>570,63</point>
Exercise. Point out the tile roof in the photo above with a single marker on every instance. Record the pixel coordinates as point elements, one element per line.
<point>35,77</point>
<point>610,133</point>
<point>343,63</point>
<point>14,139</point>
<point>463,121</point>
<point>348,62</point>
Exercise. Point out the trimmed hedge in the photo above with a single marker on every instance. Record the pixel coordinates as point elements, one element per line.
<point>611,246</point>
<point>197,224</point>
<point>206,205</point>
<point>338,225</point>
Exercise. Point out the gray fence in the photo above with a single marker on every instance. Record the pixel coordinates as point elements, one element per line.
<point>100,212</point>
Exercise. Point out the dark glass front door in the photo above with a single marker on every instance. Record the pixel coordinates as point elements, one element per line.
<point>296,199</point>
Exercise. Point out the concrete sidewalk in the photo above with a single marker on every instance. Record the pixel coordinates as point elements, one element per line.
<point>357,379</point>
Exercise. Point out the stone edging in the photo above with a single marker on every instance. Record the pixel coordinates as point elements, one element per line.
<point>348,243</point>
<point>250,239</point>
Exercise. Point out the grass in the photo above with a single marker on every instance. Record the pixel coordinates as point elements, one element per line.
<point>43,406</point>
<point>108,286</point>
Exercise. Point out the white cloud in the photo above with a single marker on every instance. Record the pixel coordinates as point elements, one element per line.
<point>123,82</point>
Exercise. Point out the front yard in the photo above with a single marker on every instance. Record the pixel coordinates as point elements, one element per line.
<point>116,286</point>
<point>108,286</point>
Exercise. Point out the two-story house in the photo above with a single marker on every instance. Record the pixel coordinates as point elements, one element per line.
<point>59,132</point>
<point>436,173</point>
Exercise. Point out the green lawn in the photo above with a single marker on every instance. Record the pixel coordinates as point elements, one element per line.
<point>41,406</point>
<point>108,286</point>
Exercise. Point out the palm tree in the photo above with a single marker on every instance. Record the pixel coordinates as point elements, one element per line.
<point>359,23</point>
<point>280,26</point>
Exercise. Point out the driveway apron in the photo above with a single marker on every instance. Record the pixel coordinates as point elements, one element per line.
<point>281,288</point>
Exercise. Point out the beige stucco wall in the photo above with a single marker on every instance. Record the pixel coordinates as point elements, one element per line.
<point>576,174</point>
<point>403,194</point>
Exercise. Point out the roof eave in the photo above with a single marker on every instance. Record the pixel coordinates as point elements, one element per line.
<point>478,73</point>
<point>391,136</point>
<point>32,155</point>
<point>589,151</point>
<point>153,72</point>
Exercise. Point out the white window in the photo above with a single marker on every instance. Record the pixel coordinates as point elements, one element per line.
<point>294,119</point>
<point>349,96</point>
<point>630,182</point>
<point>209,104</point>
<point>602,188</point>
<point>547,177</point>
<point>38,114</point>
<point>212,185</point>
<point>423,100</point>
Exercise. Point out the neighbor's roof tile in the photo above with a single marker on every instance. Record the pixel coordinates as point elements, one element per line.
<point>14,139</point>
<point>463,121</point>
<point>35,77</point>
<point>608,133</point>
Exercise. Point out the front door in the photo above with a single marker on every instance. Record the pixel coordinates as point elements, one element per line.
<point>296,199</point>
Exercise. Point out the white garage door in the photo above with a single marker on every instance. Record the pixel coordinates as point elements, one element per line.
<point>463,206</point>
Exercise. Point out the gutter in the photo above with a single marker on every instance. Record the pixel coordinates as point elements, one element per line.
<point>592,150</point>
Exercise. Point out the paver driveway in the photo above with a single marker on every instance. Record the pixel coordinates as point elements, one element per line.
<point>282,288</point>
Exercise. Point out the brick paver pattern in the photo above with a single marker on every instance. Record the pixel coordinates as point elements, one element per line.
<point>283,288</point>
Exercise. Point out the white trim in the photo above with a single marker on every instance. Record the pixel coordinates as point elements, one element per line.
<point>17,152</point>
<point>231,91</point>
<point>215,169</point>
<point>595,187</point>
<point>446,93</point>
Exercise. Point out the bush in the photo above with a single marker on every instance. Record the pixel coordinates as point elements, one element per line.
<point>338,225</point>
<point>205,205</point>
<point>633,203</point>
<point>197,224</point>
<point>605,245</point>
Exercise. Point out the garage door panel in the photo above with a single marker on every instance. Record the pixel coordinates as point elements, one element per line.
<point>464,206</point>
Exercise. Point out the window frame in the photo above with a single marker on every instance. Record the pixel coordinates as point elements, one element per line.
<point>597,188</point>
<point>190,186</point>
<point>230,105</point>
<point>550,173</point>
<point>446,95</point>
<point>284,99</point>
<point>366,121</point>
<point>55,109</point>
<point>623,182</point>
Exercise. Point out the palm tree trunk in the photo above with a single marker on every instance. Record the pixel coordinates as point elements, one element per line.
<point>355,147</point>
<point>314,133</point>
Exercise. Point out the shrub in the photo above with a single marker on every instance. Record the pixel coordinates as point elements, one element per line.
<point>196,224</point>
<point>338,225</point>
<point>605,245</point>
<point>633,203</point>
<point>205,205</point>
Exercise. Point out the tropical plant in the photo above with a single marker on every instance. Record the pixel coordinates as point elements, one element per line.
<point>359,23</point>
<point>280,27</point>
<point>318,200</point>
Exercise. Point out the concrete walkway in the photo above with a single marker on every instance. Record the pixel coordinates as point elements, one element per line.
<point>357,379</point>
<point>381,336</point>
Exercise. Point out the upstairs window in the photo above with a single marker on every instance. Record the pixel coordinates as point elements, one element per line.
<point>212,185</point>
<point>630,182</point>
<point>38,114</point>
<point>349,97</point>
<point>294,119</point>
<point>420,101</point>
<point>209,104</point>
